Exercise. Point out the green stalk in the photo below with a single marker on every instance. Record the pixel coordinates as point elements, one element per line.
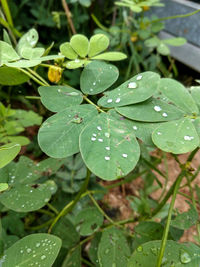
<point>90,102</point>
<point>32,77</point>
<point>166,230</point>
<point>38,76</point>
<point>6,10</point>
<point>176,16</point>
<point>70,205</point>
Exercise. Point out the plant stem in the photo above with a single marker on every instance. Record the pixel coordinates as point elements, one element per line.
<point>38,76</point>
<point>31,76</point>
<point>176,16</point>
<point>38,227</point>
<point>99,24</point>
<point>46,212</point>
<point>166,230</point>
<point>51,207</point>
<point>90,102</point>
<point>70,205</point>
<point>33,97</point>
<point>68,15</point>
<point>6,10</point>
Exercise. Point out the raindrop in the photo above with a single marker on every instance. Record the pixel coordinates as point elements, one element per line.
<point>117,100</point>
<point>185,257</point>
<point>91,89</point>
<point>124,155</point>
<point>99,128</point>
<point>100,140</point>
<point>94,134</point>
<point>109,100</point>
<point>59,90</point>
<point>157,108</point>
<point>94,83</point>
<point>107,135</point>
<point>159,133</point>
<point>107,158</point>
<point>43,257</point>
<point>37,245</point>
<point>188,138</point>
<point>139,77</point>
<point>132,85</point>
<point>164,114</point>
<point>107,148</point>
<point>134,127</point>
<point>28,250</point>
<point>21,251</point>
<point>93,139</point>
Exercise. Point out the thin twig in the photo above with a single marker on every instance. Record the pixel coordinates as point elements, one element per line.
<point>69,16</point>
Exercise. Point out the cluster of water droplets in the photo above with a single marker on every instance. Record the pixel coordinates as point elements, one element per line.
<point>158,109</point>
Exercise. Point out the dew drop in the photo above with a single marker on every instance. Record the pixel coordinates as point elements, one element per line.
<point>135,128</point>
<point>107,135</point>
<point>107,148</point>
<point>99,128</point>
<point>109,100</point>
<point>157,108</point>
<point>124,155</point>
<point>159,133</point>
<point>132,85</point>
<point>139,77</point>
<point>43,257</point>
<point>59,90</point>
<point>91,89</point>
<point>94,134</point>
<point>188,138</point>
<point>94,83</point>
<point>21,251</point>
<point>107,158</point>
<point>100,140</point>
<point>164,114</point>
<point>76,60</point>
<point>28,250</point>
<point>117,100</point>
<point>93,139</point>
<point>185,257</point>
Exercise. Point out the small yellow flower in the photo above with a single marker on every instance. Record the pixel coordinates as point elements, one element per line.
<point>145,8</point>
<point>134,38</point>
<point>54,74</point>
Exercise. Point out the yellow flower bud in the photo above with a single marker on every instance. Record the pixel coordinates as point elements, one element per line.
<point>54,74</point>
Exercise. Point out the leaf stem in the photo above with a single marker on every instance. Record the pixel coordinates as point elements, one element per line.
<point>90,102</point>
<point>51,207</point>
<point>68,15</point>
<point>166,230</point>
<point>70,205</point>
<point>32,77</point>
<point>37,75</point>
<point>176,16</point>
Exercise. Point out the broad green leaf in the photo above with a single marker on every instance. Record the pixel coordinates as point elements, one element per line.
<point>8,153</point>
<point>73,258</point>
<point>7,53</point>
<point>32,53</point>
<point>97,77</point>
<point>93,250</point>
<point>195,92</point>
<point>85,3</point>
<point>113,248</point>
<point>24,198</point>
<point>59,135</point>
<point>23,63</point>
<point>21,140</point>
<point>178,95</point>
<point>152,110</point>
<point>186,219</point>
<point>12,76</point>
<point>135,90</point>
<point>111,56</point>
<point>175,41</point>
<point>77,63</point>
<point>3,186</point>
<point>176,136</point>
<point>80,44</point>
<point>152,42</point>
<point>163,49</point>
<point>51,57</point>
<point>88,221</point>
<point>175,255</point>
<point>67,51</point>
<point>29,39</point>
<point>112,144</point>
<point>6,37</point>
<point>27,118</point>
<point>67,232</point>
<point>32,250</point>
<point>98,43</point>
<point>57,98</point>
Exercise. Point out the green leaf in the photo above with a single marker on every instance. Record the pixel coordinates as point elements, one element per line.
<point>113,248</point>
<point>57,98</point>
<point>3,186</point>
<point>97,77</point>
<point>175,254</point>
<point>98,43</point>
<point>85,3</point>
<point>195,92</point>
<point>88,220</point>
<point>111,56</point>
<point>29,39</point>
<point>135,90</point>
<point>178,95</point>
<point>175,41</point>
<point>186,220</point>
<point>73,258</point>
<point>27,118</point>
<point>7,53</point>
<point>77,63</point>
<point>59,135</point>
<point>163,49</point>
<point>24,198</point>
<point>32,250</point>
<point>67,232</point>
<point>152,110</point>
<point>32,53</point>
<point>21,140</point>
<point>176,136</point>
<point>23,63</point>
<point>8,153</point>
<point>152,42</point>
<point>12,76</point>
<point>67,51</point>
<point>80,44</point>
<point>6,37</point>
<point>112,144</point>
<point>93,250</point>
